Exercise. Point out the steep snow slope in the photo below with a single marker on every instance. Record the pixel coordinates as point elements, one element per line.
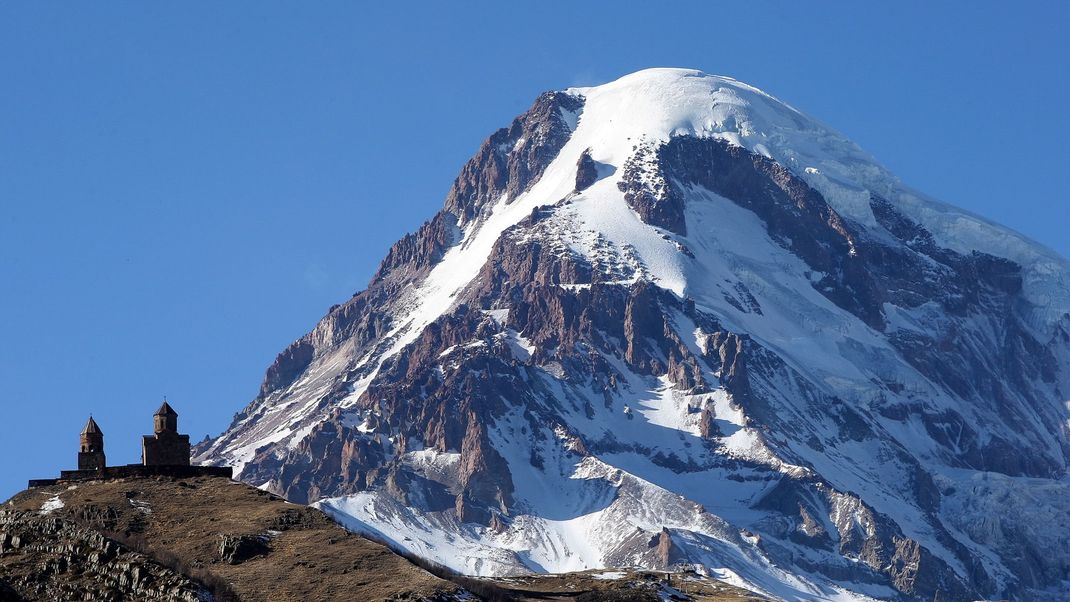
<point>672,320</point>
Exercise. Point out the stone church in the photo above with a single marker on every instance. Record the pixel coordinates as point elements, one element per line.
<point>166,452</point>
<point>165,447</point>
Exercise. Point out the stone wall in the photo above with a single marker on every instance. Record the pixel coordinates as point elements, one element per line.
<point>136,470</point>
<point>165,448</point>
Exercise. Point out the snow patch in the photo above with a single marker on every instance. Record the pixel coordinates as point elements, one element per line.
<point>51,504</point>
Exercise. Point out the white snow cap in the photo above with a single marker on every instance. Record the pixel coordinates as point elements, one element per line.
<point>654,105</point>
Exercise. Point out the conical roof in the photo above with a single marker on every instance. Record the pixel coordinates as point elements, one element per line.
<point>165,410</point>
<point>91,428</point>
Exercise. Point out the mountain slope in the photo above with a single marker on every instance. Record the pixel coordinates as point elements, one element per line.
<point>673,321</point>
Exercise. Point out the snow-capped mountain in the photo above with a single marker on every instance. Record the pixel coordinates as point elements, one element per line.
<point>671,320</point>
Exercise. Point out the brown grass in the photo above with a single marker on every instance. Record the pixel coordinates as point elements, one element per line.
<point>311,557</point>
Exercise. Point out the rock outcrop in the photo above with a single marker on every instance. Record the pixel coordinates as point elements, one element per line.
<point>49,558</point>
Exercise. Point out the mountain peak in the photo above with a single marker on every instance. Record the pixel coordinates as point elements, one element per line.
<point>674,309</point>
<point>656,104</point>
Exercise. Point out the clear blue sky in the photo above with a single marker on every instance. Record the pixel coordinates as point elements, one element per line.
<point>187,187</point>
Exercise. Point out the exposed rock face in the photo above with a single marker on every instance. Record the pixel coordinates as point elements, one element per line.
<point>586,172</point>
<point>236,549</point>
<point>657,200</point>
<point>48,558</point>
<point>690,346</point>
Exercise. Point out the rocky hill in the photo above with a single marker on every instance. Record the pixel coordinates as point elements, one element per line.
<point>210,538</point>
<point>193,539</point>
<point>669,322</point>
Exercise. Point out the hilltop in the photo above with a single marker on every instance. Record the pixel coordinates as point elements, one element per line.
<point>190,537</point>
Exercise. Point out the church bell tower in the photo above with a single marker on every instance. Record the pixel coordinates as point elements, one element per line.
<point>91,448</point>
